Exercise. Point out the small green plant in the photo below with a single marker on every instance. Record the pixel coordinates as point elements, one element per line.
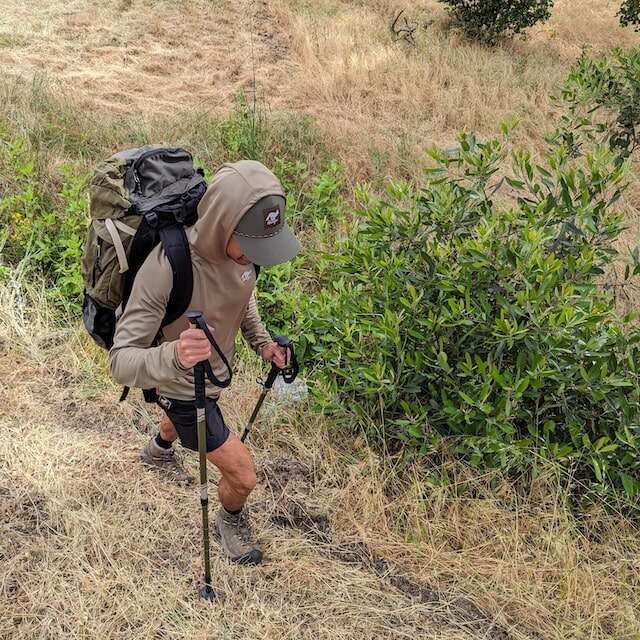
<point>489,20</point>
<point>10,40</point>
<point>630,14</point>
<point>244,133</point>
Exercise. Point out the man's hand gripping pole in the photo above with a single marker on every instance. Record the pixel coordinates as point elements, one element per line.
<point>289,374</point>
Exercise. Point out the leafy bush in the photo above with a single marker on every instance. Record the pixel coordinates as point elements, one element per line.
<point>630,14</point>
<point>443,315</point>
<point>43,231</point>
<point>316,211</point>
<point>602,100</point>
<point>488,20</point>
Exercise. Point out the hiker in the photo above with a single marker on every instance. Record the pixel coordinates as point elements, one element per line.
<point>240,224</point>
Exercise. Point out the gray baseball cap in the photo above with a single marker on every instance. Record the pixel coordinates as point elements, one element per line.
<point>264,236</point>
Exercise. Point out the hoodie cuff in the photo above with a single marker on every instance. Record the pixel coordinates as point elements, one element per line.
<point>176,363</point>
<point>262,343</point>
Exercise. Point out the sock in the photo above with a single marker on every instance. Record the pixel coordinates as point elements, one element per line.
<point>232,513</point>
<point>165,444</point>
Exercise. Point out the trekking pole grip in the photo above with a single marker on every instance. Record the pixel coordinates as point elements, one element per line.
<point>198,371</point>
<point>290,371</point>
<point>285,343</point>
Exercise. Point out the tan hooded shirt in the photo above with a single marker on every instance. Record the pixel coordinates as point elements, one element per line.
<point>222,290</point>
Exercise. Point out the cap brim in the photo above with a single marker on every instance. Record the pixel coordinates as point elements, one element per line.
<point>266,252</point>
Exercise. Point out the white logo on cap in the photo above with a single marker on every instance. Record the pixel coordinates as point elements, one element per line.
<point>272,218</point>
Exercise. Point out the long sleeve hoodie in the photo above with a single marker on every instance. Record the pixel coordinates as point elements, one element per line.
<point>222,290</point>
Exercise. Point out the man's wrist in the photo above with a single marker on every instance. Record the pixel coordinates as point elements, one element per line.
<point>176,361</point>
<point>262,345</point>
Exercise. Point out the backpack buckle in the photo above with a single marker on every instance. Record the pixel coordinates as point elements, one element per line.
<point>152,219</point>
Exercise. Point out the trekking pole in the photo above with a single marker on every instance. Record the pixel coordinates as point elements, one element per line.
<point>206,591</point>
<point>289,374</point>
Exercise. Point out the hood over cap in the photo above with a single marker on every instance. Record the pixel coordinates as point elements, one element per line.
<point>234,189</point>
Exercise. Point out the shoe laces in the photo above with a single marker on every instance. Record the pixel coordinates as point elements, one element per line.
<point>242,527</point>
<point>168,454</point>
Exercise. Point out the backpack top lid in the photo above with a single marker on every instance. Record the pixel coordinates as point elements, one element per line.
<point>144,178</point>
<point>152,169</point>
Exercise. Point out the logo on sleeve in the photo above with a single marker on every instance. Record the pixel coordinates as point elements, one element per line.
<point>245,276</point>
<point>272,218</point>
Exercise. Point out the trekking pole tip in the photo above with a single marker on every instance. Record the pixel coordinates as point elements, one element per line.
<point>207,593</point>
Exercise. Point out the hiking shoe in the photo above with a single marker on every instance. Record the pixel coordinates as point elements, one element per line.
<point>165,459</point>
<point>235,536</point>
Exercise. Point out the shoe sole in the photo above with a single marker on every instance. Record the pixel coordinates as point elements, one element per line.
<point>251,559</point>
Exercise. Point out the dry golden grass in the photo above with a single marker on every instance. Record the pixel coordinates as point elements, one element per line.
<point>335,60</point>
<point>94,545</point>
<point>371,93</point>
<point>147,56</point>
<point>380,103</point>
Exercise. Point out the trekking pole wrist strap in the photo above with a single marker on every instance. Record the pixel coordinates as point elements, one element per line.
<point>196,319</point>
<point>290,372</point>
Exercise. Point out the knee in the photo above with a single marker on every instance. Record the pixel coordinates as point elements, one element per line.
<point>245,481</point>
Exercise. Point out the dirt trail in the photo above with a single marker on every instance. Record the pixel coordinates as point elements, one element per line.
<point>147,56</point>
<point>94,545</point>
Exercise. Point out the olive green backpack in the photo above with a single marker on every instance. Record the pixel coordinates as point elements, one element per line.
<point>138,198</point>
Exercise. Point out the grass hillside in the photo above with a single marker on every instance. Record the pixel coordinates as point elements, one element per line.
<point>360,543</point>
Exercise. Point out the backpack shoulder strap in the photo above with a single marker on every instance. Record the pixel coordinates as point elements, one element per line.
<point>176,247</point>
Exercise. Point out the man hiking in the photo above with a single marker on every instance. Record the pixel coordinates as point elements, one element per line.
<point>240,224</point>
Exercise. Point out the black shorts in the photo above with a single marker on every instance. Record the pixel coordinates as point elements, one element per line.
<point>183,415</point>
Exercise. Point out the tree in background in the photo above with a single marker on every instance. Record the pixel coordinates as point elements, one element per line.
<point>630,14</point>
<point>488,20</point>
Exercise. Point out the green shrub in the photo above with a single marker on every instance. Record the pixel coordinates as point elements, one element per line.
<point>316,211</point>
<point>441,315</point>
<point>43,231</point>
<point>602,101</point>
<point>630,14</point>
<point>488,20</point>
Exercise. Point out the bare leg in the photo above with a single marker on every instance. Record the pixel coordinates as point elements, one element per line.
<point>167,430</point>
<point>238,472</point>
